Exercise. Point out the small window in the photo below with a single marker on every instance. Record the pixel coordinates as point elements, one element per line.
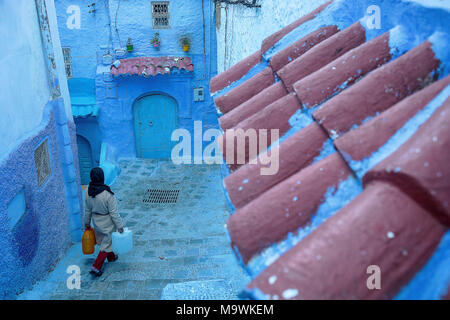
<point>16,209</point>
<point>68,62</point>
<point>160,15</point>
<point>42,161</point>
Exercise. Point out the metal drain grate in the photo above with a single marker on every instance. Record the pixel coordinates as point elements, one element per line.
<point>161,196</point>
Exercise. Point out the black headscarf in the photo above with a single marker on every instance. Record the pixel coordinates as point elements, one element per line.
<point>97,184</point>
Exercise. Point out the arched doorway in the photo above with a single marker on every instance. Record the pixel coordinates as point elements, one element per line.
<point>155,118</point>
<point>84,159</point>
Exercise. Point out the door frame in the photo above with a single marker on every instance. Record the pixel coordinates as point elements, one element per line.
<point>153,93</point>
<point>90,152</point>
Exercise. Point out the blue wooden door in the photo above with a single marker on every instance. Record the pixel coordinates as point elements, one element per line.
<point>155,119</point>
<point>84,159</point>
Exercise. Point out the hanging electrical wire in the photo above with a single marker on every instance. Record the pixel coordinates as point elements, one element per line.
<point>204,39</point>
<point>110,40</point>
<point>226,38</point>
<point>115,24</point>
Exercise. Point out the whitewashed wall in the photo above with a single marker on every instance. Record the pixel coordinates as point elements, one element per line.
<point>242,29</point>
<point>24,84</point>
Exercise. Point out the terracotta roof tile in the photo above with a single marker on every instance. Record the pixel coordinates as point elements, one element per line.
<point>296,153</point>
<point>301,46</point>
<point>274,38</point>
<point>245,91</point>
<point>275,116</point>
<point>342,72</point>
<point>379,90</point>
<point>285,207</point>
<point>363,173</point>
<point>234,73</point>
<point>252,106</point>
<point>322,54</point>
<point>420,167</point>
<point>382,227</point>
<point>151,66</point>
<point>368,138</point>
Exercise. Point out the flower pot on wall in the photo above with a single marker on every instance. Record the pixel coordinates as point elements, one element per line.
<point>185,43</point>
<point>130,46</point>
<point>156,42</point>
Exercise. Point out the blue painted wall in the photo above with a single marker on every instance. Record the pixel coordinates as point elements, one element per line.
<point>40,238</point>
<point>19,32</point>
<point>115,97</point>
<point>36,231</point>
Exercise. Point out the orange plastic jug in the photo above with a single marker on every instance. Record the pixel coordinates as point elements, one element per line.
<point>88,241</point>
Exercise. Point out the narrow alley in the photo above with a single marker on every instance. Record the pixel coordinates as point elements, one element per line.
<point>181,250</point>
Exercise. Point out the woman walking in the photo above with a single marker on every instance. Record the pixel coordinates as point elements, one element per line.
<point>102,209</point>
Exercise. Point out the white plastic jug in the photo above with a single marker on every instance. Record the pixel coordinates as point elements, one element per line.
<point>122,242</point>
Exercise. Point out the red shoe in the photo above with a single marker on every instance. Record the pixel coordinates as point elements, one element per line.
<point>112,257</point>
<point>95,272</point>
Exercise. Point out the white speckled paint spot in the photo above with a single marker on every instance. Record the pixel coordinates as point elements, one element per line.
<point>245,181</point>
<point>290,293</point>
<point>272,279</point>
<point>390,235</point>
<point>294,199</point>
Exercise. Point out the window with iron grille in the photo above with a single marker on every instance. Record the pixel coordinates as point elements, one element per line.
<point>160,14</point>
<point>67,62</point>
<point>42,161</point>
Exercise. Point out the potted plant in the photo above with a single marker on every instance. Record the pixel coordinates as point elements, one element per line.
<point>156,42</point>
<point>130,46</point>
<point>185,43</point>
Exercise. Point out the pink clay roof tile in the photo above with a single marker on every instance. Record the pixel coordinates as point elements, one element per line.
<point>235,73</point>
<point>245,91</point>
<point>322,54</point>
<point>358,97</point>
<point>421,166</point>
<point>299,47</point>
<point>151,66</point>
<point>274,38</point>
<point>379,90</point>
<point>381,225</point>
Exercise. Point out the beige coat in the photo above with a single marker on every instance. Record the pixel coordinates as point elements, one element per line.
<point>103,211</point>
